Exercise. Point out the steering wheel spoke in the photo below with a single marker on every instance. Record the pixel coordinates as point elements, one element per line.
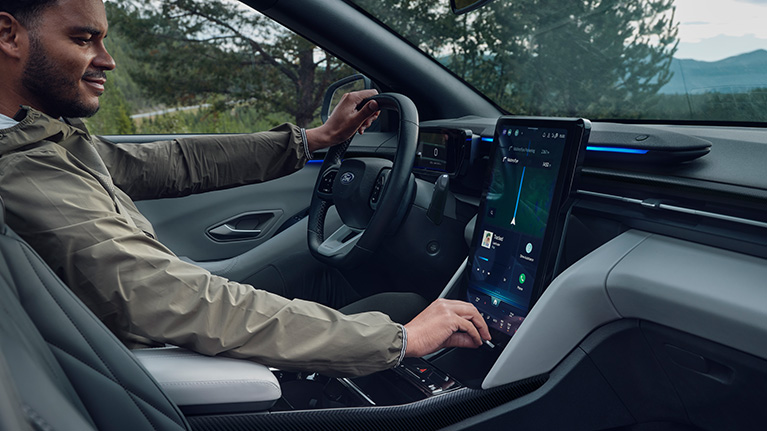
<point>341,241</point>
<point>368,193</point>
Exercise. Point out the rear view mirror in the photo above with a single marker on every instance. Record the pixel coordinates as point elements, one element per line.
<point>463,6</point>
<point>338,89</point>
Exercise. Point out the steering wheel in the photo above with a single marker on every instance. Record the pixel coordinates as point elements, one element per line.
<point>368,192</point>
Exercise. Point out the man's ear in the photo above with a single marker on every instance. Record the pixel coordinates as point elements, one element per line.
<point>10,32</point>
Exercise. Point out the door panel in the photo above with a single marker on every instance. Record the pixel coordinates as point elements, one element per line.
<point>196,226</point>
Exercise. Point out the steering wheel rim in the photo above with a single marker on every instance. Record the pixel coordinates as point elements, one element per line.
<point>348,246</point>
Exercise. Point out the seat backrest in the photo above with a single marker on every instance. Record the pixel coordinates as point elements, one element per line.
<point>68,370</point>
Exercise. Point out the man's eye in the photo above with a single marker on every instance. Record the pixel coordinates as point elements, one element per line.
<point>82,40</point>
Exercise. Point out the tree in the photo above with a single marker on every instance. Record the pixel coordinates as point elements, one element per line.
<point>114,115</point>
<point>596,58</point>
<point>605,58</point>
<point>186,47</point>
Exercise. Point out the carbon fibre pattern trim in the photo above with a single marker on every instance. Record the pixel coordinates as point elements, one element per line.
<point>429,414</point>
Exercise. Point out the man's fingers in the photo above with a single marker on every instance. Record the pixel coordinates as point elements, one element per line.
<point>370,108</point>
<point>460,339</point>
<point>368,122</point>
<point>446,323</point>
<point>480,324</point>
<point>469,312</point>
<point>370,113</point>
<point>468,327</point>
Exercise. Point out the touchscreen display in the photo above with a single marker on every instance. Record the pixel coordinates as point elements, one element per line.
<point>530,168</point>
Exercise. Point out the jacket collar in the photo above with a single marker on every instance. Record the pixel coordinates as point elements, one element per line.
<point>35,126</point>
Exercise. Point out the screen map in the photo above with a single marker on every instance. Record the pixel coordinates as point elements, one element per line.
<point>507,256</point>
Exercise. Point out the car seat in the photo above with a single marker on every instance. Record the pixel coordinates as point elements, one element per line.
<point>60,367</point>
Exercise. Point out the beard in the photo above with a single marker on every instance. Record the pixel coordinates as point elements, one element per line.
<point>51,84</point>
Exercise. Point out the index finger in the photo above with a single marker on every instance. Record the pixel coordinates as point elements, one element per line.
<point>467,327</point>
<point>469,312</point>
<point>480,324</point>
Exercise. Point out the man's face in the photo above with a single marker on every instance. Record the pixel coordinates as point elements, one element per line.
<point>64,74</point>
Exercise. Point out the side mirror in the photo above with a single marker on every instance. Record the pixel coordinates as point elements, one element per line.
<point>338,89</point>
<point>463,6</point>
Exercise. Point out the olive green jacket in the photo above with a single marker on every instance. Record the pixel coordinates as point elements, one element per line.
<point>70,196</point>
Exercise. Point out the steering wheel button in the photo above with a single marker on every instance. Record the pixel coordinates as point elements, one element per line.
<point>326,184</point>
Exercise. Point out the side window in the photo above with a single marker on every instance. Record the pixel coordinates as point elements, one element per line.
<point>202,66</point>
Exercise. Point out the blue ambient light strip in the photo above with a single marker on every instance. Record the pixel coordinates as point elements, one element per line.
<point>616,150</point>
<point>486,139</point>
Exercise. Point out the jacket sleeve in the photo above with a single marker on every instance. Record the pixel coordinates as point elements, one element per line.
<point>184,166</point>
<point>136,285</point>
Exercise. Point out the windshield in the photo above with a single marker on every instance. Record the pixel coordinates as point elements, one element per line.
<point>669,60</point>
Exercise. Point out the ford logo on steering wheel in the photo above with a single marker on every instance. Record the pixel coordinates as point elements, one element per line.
<point>347,178</point>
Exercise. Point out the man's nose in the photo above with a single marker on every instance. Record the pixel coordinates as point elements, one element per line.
<point>103,60</point>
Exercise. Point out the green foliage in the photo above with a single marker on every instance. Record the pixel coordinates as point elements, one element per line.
<point>212,119</point>
<point>189,52</point>
<point>595,58</point>
<point>712,106</point>
<point>114,115</point>
<point>238,71</point>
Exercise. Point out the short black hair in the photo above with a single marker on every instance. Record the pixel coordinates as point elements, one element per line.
<point>25,11</point>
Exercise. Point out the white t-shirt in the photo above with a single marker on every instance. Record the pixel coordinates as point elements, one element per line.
<point>7,122</point>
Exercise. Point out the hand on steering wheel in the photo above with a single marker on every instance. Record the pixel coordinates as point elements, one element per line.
<point>368,192</point>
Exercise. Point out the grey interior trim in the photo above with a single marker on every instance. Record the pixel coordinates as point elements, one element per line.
<point>181,223</point>
<point>455,279</point>
<point>468,231</point>
<point>341,241</point>
<point>192,379</point>
<point>712,293</point>
<point>258,223</point>
<point>287,242</point>
<point>574,304</point>
<point>656,203</point>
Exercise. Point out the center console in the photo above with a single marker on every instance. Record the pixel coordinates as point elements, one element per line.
<point>513,257</point>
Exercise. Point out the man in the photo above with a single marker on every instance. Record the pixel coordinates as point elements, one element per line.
<point>70,196</point>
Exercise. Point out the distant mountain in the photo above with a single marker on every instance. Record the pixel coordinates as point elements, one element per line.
<point>732,75</point>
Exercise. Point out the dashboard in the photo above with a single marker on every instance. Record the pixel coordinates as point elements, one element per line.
<point>655,311</point>
<point>659,280</point>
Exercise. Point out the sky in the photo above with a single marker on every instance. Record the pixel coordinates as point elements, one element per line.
<point>712,30</point>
